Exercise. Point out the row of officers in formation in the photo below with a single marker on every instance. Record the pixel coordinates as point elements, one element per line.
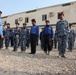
<point>23,36</point>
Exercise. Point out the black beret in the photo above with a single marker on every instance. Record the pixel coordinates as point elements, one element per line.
<point>61,14</point>
<point>47,21</point>
<point>0,11</point>
<point>33,20</point>
<point>17,23</point>
<point>70,25</point>
<point>42,28</point>
<point>8,24</point>
<point>4,25</point>
<point>24,24</point>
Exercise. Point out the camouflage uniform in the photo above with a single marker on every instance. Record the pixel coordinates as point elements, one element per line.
<point>55,40</point>
<point>7,36</point>
<point>62,34</point>
<point>24,35</point>
<point>42,40</point>
<point>16,38</point>
<point>28,39</point>
<point>71,39</point>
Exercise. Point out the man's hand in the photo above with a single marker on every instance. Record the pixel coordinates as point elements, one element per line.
<point>2,37</point>
<point>52,38</point>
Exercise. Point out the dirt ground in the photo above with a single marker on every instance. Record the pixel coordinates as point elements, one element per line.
<point>18,63</point>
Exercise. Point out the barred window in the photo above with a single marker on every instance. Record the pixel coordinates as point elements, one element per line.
<point>16,21</point>
<point>26,20</point>
<point>5,22</point>
<point>44,17</point>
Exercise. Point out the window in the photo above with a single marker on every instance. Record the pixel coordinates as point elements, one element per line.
<point>59,15</point>
<point>44,17</point>
<point>67,4</point>
<point>26,20</point>
<point>16,21</point>
<point>5,22</point>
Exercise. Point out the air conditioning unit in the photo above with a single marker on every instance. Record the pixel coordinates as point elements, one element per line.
<point>51,14</point>
<point>20,18</point>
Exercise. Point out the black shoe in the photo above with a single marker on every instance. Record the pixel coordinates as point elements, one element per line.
<point>7,48</point>
<point>31,53</point>
<point>14,50</point>
<point>55,47</point>
<point>63,56</point>
<point>45,52</point>
<point>70,50</point>
<point>22,51</point>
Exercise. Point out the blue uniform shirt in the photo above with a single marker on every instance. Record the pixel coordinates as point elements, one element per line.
<point>1,27</point>
<point>48,30</point>
<point>35,30</point>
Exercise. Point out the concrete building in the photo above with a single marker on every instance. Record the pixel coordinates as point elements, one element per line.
<point>42,14</point>
<point>47,13</point>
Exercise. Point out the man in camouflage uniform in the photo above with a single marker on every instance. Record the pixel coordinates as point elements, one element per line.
<point>42,39</point>
<point>24,36</point>
<point>55,40</point>
<point>16,37</point>
<point>7,35</point>
<point>11,37</point>
<point>71,38</point>
<point>28,39</point>
<point>62,34</point>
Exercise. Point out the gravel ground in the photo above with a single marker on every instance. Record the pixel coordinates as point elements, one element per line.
<point>39,64</point>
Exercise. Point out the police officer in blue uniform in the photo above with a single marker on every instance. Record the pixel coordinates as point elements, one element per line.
<point>16,37</point>
<point>24,36</point>
<point>7,35</point>
<point>71,38</point>
<point>48,35</point>
<point>34,35</point>
<point>62,34</point>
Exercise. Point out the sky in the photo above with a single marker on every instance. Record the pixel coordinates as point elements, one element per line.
<point>9,7</point>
